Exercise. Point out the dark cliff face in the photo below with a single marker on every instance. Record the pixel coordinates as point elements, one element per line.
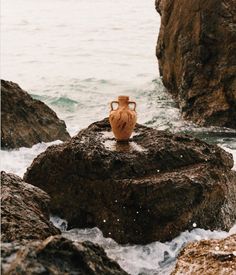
<point>197,61</point>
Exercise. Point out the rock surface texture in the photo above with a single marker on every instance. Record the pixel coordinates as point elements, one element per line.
<point>197,61</point>
<point>149,189</point>
<point>208,257</point>
<point>24,211</point>
<point>27,121</point>
<point>57,255</point>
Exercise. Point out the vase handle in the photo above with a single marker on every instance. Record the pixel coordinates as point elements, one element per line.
<point>132,102</point>
<point>111,104</point>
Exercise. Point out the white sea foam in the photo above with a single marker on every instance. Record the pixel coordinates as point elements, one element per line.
<point>154,258</point>
<point>17,161</point>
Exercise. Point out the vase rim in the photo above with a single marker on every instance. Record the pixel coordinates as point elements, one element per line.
<point>123,97</point>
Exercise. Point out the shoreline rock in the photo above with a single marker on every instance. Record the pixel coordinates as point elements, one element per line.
<point>27,121</point>
<point>24,211</point>
<point>149,189</point>
<point>25,225</point>
<point>208,257</point>
<point>196,55</point>
<point>57,255</point>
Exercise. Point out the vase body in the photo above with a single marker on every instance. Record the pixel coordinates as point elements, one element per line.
<point>123,119</point>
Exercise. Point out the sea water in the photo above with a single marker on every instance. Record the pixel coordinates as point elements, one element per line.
<point>77,56</point>
<point>151,259</point>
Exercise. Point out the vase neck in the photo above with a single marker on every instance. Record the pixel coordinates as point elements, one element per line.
<point>123,101</point>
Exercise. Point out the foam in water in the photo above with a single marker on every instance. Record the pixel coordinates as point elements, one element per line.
<point>154,258</point>
<point>16,161</point>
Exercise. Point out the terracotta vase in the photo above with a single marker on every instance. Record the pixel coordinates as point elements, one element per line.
<point>123,119</point>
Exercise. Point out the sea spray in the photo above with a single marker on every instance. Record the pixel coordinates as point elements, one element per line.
<point>154,258</point>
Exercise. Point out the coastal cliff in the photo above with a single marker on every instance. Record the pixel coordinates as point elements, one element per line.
<point>197,61</point>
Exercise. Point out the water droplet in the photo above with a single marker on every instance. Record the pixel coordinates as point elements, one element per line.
<point>181,156</point>
<point>194,224</point>
<point>104,220</point>
<point>118,220</point>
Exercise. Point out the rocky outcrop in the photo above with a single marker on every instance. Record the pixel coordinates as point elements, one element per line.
<point>24,211</point>
<point>57,255</point>
<point>208,257</point>
<point>149,189</point>
<point>27,121</point>
<point>196,54</point>
<point>25,223</point>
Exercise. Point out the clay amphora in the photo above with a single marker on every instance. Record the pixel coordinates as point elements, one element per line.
<point>123,119</point>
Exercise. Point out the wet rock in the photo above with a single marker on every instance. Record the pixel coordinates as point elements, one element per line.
<point>24,211</point>
<point>208,257</point>
<point>196,54</point>
<point>8,253</point>
<point>27,121</point>
<point>57,255</point>
<point>149,189</point>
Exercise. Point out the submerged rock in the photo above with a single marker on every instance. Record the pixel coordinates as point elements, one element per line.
<point>57,255</point>
<point>27,121</point>
<point>196,54</point>
<point>208,257</point>
<point>149,189</point>
<point>24,211</point>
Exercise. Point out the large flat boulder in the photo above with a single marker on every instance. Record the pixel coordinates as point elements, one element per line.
<point>152,188</point>
<point>27,121</point>
<point>208,257</point>
<point>196,54</point>
<point>57,255</point>
<point>24,211</point>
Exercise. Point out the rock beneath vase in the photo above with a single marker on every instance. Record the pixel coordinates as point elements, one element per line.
<point>27,121</point>
<point>149,189</point>
<point>196,54</point>
<point>57,255</point>
<point>24,211</point>
<point>208,257</point>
